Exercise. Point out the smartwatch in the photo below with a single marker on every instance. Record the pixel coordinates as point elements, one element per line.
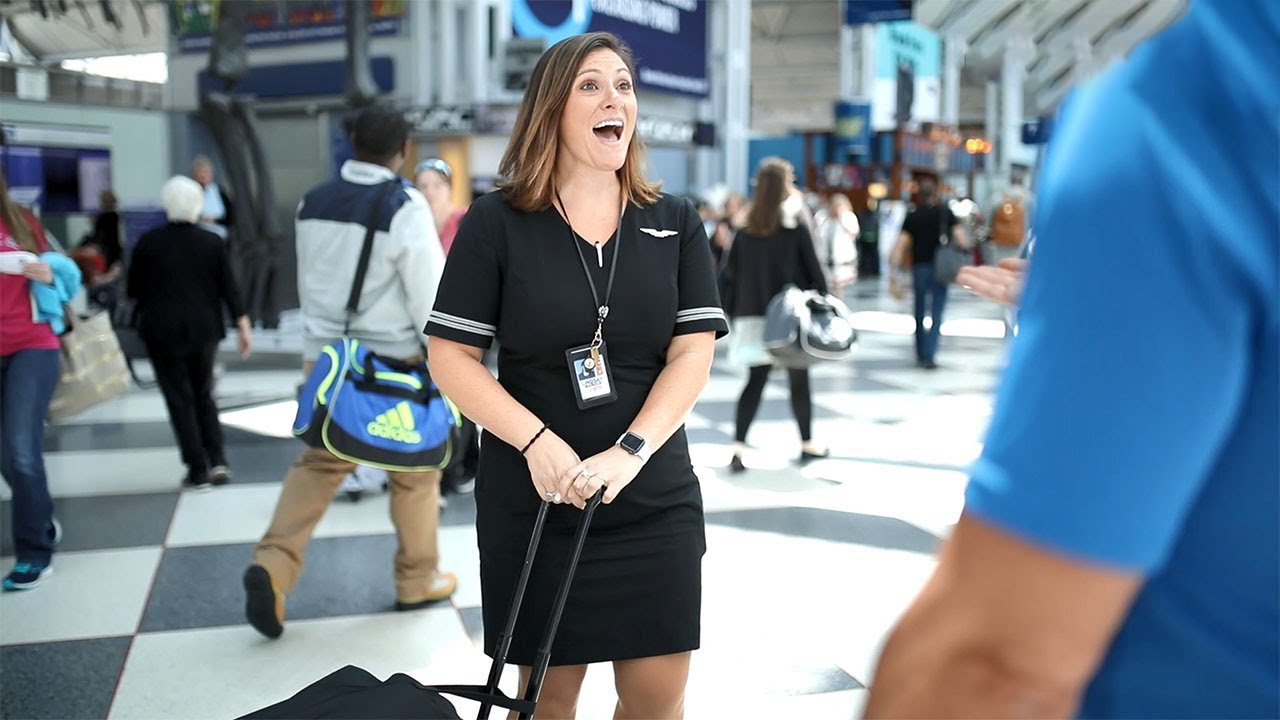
<point>635,445</point>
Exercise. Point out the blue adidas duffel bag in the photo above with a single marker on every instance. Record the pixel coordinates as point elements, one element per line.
<point>375,411</point>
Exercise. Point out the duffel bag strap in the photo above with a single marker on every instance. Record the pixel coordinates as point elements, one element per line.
<point>366,251</point>
<point>371,385</point>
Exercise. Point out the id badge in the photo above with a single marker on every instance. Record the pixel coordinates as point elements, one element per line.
<point>592,381</point>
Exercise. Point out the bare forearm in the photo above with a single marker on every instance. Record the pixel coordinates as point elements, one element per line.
<point>949,682</point>
<point>469,384</point>
<point>672,397</point>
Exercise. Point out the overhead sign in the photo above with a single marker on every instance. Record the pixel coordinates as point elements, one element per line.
<point>911,54</point>
<point>280,22</point>
<point>667,37</point>
<point>863,12</point>
<point>853,129</point>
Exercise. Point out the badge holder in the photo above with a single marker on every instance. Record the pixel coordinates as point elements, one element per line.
<point>589,371</point>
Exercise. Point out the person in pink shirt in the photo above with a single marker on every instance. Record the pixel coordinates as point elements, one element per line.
<point>434,179</point>
<point>29,366</point>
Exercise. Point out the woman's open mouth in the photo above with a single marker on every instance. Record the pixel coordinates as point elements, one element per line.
<point>608,130</point>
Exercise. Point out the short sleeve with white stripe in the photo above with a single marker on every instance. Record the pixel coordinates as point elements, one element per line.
<point>699,303</point>
<point>470,294</point>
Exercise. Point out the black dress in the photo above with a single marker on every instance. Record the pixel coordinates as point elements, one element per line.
<point>516,276</point>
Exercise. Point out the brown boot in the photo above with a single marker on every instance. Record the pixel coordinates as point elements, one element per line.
<point>441,588</point>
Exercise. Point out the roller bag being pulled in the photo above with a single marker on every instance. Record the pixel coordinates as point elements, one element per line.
<point>354,694</point>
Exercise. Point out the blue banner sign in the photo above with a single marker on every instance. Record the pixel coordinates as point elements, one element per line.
<point>863,12</point>
<point>667,37</point>
<point>853,129</point>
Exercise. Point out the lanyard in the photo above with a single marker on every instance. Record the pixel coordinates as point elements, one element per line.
<point>602,308</point>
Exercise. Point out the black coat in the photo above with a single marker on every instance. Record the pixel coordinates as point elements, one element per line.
<point>759,267</point>
<point>181,277</point>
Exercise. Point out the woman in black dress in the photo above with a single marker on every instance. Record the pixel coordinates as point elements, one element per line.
<point>774,250</point>
<point>531,265</point>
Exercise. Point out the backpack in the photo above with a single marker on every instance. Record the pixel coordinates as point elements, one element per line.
<point>1010,223</point>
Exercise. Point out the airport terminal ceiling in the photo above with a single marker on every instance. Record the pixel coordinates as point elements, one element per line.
<point>794,45</point>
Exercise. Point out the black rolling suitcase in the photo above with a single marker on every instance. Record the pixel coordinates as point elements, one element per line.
<point>355,694</point>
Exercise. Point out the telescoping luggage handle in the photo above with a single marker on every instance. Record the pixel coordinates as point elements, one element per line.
<point>488,694</point>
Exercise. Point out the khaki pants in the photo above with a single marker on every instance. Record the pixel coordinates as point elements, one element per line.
<point>308,490</point>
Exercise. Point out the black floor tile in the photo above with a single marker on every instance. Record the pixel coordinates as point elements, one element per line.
<point>201,586</point>
<point>136,435</point>
<point>265,460</point>
<point>74,679</point>
<point>725,410</point>
<point>459,510</point>
<point>708,435</point>
<point>831,525</point>
<point>473,620</point>
<point>110,521</point>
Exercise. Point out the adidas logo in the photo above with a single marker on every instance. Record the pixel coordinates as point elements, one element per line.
<point>396,424</point>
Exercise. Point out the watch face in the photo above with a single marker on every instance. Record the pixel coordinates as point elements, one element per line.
<point>632,443</point>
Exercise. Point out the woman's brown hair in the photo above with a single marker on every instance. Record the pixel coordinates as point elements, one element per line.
<point>14,222</point>
<point>772,182</point>
<point>527,171</point>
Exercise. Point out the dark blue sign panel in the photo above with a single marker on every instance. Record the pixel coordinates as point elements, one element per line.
<point>863,12</point>
<point>853,129</point>
<point>308,79</point>
<point>667,37</point>
<point>280,22</point>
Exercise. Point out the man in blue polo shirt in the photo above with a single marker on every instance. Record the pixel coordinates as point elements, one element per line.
<point>1119,552</point>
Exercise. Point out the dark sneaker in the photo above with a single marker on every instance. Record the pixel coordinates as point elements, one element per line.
<point>220,475</point>
<point>736,466</point>
<point>441,588</point>
<point>264,605</point>
<point>25,576</point>
<point>197,483</point>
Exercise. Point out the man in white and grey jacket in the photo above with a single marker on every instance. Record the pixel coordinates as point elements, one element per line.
<point>399,291</point>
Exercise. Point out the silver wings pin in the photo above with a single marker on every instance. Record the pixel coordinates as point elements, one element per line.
<point>658,233</point>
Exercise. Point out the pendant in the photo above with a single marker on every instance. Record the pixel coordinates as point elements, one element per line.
<point>600,254</point>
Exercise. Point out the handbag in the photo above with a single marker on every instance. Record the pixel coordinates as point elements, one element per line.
<point>949,257</point>
<point>805,327</point>
<point>93,367</point>
<point>374,410</point>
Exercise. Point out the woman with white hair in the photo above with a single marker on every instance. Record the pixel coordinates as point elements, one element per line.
<point>180,275</point>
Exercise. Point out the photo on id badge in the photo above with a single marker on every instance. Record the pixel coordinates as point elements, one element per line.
<point>592,384</point>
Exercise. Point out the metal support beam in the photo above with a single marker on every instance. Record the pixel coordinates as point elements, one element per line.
<point>954,49</point>
<point>478,50</point>
<point>1013,74</point>
<point>420,26</point>
<point>867,64</point>
<point>447,51</point>
<point>738,94</point>
<point>993,136</point>
<point>848,71</point>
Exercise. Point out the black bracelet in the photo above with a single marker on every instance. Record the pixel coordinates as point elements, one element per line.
<point>529,444</point>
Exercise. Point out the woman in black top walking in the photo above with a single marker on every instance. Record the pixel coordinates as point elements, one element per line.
<point>181,277</point>
<point>575,229</point>
<point>771,252</point>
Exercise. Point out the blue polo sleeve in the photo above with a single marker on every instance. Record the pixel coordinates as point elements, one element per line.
<point>1134,348</point>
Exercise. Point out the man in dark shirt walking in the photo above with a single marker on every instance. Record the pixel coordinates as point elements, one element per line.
<point>920,231</point>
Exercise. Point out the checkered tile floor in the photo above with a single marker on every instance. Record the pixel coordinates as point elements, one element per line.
<point>807,568</point>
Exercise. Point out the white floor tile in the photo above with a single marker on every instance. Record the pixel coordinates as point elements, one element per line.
<point>460,556</point>
<point>241,513</point>
<point>81,473</point>
<point>90,594</point>
<point>231,671</point>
